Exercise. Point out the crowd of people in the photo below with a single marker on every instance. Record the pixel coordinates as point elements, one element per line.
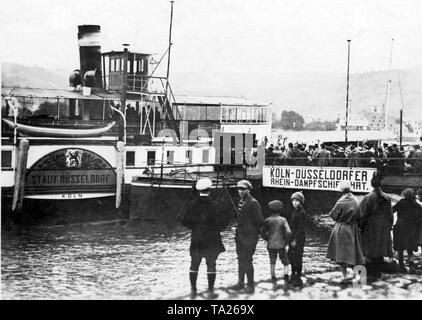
<point>361,234</point>
<point>386,158</point>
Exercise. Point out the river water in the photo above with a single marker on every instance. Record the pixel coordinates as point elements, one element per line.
<point>123,261</point>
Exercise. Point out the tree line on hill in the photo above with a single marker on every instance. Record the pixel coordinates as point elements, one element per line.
<point>291,120</point>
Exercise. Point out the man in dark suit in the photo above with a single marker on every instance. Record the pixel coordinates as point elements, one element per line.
<point>249,223</point>
<point>206,218</point>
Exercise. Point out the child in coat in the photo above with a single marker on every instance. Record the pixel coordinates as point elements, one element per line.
<point>277,233</point>
<point>297,225</point>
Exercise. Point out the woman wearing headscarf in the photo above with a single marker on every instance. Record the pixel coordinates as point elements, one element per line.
<point>345,244</point>
<point>406,229</point>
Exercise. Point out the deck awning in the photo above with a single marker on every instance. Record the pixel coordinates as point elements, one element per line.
<point>57,94</point>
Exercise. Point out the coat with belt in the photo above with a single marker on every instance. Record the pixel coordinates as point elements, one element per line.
<point>206,219</point>
<point>345,244</point>
<point>376,222</point>
<point>249,222</point>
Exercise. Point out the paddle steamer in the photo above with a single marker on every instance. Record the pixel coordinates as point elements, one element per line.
<point>78,154</point>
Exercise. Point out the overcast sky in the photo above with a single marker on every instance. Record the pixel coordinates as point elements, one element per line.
<point>263,36</point>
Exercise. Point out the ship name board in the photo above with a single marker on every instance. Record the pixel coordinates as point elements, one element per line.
<point>59,178</point>
<point>317,178</point>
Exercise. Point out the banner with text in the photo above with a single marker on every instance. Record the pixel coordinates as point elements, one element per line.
<point>317,178</point>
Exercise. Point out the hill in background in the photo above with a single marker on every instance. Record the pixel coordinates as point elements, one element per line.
<point>315,94</point>
<point>17,75</point>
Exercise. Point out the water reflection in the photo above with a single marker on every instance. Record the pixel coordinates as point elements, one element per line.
<point>135,261</point>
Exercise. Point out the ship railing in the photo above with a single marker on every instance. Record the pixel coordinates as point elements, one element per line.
<point>221,174</point>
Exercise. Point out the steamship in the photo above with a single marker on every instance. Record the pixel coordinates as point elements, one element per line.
<point>117,141</point>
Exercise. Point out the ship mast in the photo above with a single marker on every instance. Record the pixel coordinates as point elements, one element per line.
<point>388,88</point>
<point>169,47</point>
<point>347,90</point>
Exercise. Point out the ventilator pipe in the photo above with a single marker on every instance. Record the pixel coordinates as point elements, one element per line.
<point>89,78</point>
<point>75,80</point>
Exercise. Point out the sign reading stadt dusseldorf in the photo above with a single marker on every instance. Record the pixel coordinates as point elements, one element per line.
<point>317,178</point>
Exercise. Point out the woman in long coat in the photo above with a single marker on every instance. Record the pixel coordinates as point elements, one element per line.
<point>406,229</point>
<point>344,246</point>
<point>376,222</point>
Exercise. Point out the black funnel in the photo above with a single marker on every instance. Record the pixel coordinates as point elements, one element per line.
<point>90,54</point>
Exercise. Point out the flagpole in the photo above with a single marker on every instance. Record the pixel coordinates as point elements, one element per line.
<point>347,90</point>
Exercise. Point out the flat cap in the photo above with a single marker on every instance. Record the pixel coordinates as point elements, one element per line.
<point>244,184</point>
<point>275,205</point>
<point>203,184</point>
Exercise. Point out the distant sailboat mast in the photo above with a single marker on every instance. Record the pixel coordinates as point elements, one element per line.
<point>401,110</point>
<point>387,94</point>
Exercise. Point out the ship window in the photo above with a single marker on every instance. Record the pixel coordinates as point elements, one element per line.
<point>6,159</point>
<point>141,65</point>
<point>112,65</point>
<point>170,157</point>
<point>135,66</point>
<point>117,65</point>
<point>130,158</point>
<point>151,158</point>
<point>205,156</point>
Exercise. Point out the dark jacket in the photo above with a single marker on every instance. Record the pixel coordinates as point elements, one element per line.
<point>376,222</point>
<point>276,232</point>
<point>206,220</point>
<point>406,229</point>
<point>339,159</point>
<point>249,221</point>
<point>297,225</point>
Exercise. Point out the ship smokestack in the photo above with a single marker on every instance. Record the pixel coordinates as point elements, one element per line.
<point>90,55</point>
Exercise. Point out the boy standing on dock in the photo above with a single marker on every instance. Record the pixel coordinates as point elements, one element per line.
<point>249,224</point>
<point>277,233</point>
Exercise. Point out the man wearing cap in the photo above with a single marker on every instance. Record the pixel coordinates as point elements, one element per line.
<point>206,219</point>
<point>323,156</point>
<point>339,158</point>
<point>367,155</point>
<point>249,223</point>
<point>353,157</point>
